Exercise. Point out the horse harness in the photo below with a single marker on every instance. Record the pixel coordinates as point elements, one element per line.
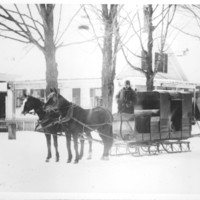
<point>69,116</point>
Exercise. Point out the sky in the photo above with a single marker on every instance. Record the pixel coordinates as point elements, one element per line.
<point>83,60</point>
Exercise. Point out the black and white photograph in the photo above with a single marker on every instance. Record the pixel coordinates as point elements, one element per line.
<point>99,100</point>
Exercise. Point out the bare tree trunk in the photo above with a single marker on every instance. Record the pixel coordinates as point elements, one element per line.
<point>149,82</point>
<point>49,48</point>
<point>107,83</point>
<point>51,65</point>
<point>109,54</point>
<point>51,69</point>
<point>150,74</point>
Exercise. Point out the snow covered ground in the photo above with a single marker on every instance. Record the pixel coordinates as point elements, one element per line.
<point>24,174</point>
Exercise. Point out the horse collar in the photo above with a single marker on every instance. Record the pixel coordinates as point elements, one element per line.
<point>70,111</point>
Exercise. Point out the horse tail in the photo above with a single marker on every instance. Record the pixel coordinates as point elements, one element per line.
<point>106,129</point>
<point>108,125</point>
<point>108,113</point>
<point>111,136</point>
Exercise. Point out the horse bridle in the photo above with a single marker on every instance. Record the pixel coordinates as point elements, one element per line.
<point>53,96</point>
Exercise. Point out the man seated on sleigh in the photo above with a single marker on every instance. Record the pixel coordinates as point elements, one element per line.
<point>126,99</point>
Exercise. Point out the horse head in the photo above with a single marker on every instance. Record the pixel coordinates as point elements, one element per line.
<point>31,103</point>
<point>55,101</point>
<point>52,100</point>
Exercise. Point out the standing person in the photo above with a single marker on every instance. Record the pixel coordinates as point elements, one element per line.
<point>126,98</point>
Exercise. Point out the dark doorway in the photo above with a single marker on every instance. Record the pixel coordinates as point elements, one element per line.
<point>3,127</point>
<point>176,112</point>
<point>2,105</point>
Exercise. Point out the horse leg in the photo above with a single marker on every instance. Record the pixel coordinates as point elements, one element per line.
<point>105,144</point>
<point>107,139</point>
<point>104,151</point>
<point>68,140</point>
<point>106,148</point>
<point>75,138</point>
<point>55,140</point>
<point>90,145</point>
<point>82,147</point>
<point>48,139</point>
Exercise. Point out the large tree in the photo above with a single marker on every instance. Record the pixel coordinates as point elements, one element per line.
<point>106,16</point>
<point>33,24</point>
<point>157,18</point>
<point>109,51</point>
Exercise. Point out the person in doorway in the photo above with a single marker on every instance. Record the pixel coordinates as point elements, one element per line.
<point>126,99</point>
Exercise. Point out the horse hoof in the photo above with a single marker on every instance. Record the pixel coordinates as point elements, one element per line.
<point>69,161</point>
<point>47,160</point>
<point>80,157</point>
<point>105,158</point>
<point>57,159</point>
<point>76,162</point>
<point>89,157</point>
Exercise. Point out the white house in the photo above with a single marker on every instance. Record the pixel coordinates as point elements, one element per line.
<point>83,92</point>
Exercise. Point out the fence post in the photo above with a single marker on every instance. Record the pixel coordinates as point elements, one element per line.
<point>11,130</point>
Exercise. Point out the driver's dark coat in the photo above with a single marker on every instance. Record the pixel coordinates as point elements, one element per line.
<point>126,99</point>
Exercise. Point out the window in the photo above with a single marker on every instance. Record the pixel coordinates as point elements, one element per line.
<point>161,62</point>
<point>95,97</point>
<point>19,97</point>
<point>38,93</point>
<point>76,96</point>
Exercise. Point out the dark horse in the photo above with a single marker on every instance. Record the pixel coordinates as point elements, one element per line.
<point>82,120</point>
<point>32,103</point>
<point>49,120</point>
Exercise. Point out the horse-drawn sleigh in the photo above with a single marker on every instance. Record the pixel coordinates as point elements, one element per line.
<point>161,122</point>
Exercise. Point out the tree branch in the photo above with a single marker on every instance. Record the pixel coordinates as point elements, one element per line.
<point>26,16</point>
<point>11,19</point>
<point>7,37</point>
<point>104,12</point>
<point>28,32</point>
<point>25,33</point>
<point>76,43</point>
<point>163,16</point>
<point>34,22</point>
<point>92,27</point>
<point>130,64</point>
<point>186,33</point>
<point>14,31</point>
<point>56,42</point>
<point>136,32</point>
<point>59,21</point>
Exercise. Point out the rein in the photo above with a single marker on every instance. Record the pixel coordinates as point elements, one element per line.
<point>70,116</point>
<point>86,125</point>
